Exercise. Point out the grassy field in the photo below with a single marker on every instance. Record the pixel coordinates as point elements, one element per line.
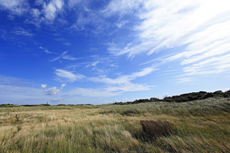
<point>198,126</point>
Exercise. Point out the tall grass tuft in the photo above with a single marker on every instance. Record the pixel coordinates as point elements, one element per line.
<point>153,129</point>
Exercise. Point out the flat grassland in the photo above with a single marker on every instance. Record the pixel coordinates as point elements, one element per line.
<point>198,126</point>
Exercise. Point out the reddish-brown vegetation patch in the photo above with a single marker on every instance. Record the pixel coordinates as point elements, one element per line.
<point>152,129</point>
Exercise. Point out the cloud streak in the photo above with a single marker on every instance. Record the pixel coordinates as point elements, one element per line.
<point>200,26</point>
<point>68,76</point>
<point>57,58</point>
<point>212,65</point>
<point>67,57</point>
<point>125,79</point>
<point>170,24</point>
<point>21,31</point>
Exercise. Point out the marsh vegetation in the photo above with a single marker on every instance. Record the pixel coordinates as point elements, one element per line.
<point>195,126</point>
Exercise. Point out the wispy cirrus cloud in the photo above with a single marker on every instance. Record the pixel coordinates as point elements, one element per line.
<point>123,83</point>
<point>64,41</point>
<point>68,76</point>
<point>163,27</point>
<point>113,86</point>
<point>183,80</point>
<point>21,31</point>
<point>73,3</point>
<point>67,44</point>
<point>121,7</point>
<point>121,24</point>
<point>93,64</point>
<point>125,79</point>
<point>62,56</point>
<point>46,50</point>
<point>199,29</point>
<point>6,80</point>
<point>67,57</point>
<point>129,87</point>
<point>57,58</point>
<point>212,65</point>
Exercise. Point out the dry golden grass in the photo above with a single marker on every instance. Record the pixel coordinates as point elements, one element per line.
<point>199,127</point>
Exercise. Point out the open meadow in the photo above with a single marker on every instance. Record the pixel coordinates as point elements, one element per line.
<point>196,126</point>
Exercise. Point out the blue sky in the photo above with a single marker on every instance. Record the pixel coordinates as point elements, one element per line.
<point>103,51</point>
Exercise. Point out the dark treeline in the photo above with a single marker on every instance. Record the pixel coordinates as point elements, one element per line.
<point>178,98</point>
<point>182,98</point>
<point>13,105</point>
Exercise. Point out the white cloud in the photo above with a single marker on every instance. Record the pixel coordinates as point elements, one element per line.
<point>121,24</point>
<point>213,65</point>
<point>46,51</point>
<point>17,7</point>
<point>203,47</point>
<point>91,20</point>
<point>198,28</point>
<point>39,2</point>
<point>121,6</point>
<point>35,12</point>
<point>43,85</point>
<point>72,3</point>
<point>169,24</point>
<point>54,90</point>
<point>52,8</point>
<point>68,76</point>
<point>62,86</point>
<point>123,83</point>
<point>46,13</point>
<point>93,64</point>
